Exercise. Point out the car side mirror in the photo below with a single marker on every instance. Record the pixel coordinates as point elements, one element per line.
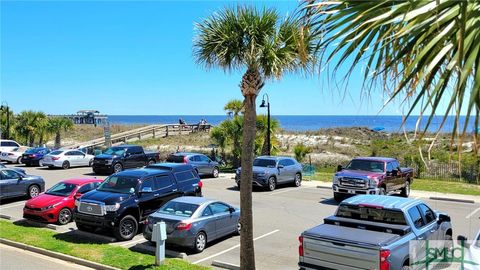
<point>231,209</point>
<point>339,168</point>
<point>20,178</point>
<point>280,166</point>
<point>463,241</point>
<point>443,218</point>
<point>146,190</point>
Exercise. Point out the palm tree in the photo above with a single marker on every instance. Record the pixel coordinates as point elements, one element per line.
<point>264,47</point>
<point>426,50</point>
<point>29,125</point>
<point>58,124</point>
<point>262,127</point>
<point>234,107</point>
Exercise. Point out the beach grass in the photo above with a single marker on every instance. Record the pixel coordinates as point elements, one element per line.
<point>103,253</point>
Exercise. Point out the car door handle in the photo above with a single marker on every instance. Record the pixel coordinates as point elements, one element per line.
<point>175,190</point>
<point>433,230</point>
<point>156,195</point>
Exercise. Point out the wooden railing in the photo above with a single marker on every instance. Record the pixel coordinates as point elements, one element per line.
<point>152,131</point>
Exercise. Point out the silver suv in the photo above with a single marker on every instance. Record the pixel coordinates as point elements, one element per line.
<point>268,171</point>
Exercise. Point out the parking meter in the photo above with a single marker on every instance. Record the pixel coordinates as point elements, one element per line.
<point>159,235</point>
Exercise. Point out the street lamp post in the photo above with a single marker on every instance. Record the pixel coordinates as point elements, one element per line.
<point>263,105</point>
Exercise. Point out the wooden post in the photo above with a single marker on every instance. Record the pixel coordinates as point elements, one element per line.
<point>166,134</point>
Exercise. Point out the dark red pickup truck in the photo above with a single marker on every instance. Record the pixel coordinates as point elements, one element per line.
<point>371,175</point>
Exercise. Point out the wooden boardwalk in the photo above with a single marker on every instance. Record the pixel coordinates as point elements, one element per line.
<point>152,131</point>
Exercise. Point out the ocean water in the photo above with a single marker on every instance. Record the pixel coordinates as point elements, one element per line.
<point>390,123</point>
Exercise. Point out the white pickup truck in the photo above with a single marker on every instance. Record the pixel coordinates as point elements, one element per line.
<point>373,232</point>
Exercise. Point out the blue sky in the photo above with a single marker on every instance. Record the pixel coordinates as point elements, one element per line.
<point>136,58</point>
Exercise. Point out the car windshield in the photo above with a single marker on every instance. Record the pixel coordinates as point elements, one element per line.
<point>260,162</point>
<point>178,209</point>
<point>365,165</point>
<point>34,150</point>
<point>56,153</point>
<point>119,184</point>
<point>61,189</point>
<point>116,151</point>
<point>371,214</point>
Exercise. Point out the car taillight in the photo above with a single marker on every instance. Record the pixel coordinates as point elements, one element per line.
<point>300,247</point>
<point>200,184</point>
<point>184,226</point>
<point>55,158</point>
<point>185,160</point>
<point>384,263</point>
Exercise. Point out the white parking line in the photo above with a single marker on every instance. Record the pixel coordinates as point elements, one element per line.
<point>473,213</point>
<point>234,247</point>
<point>290,189</point>
<point>133,242</point>
<point>12,205</point>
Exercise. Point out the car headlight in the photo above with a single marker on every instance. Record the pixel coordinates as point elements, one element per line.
<point>336,180</point>
<point>108,161</point>
<point>49,207</point>
<point>372,182</point>
<point>112,208</point>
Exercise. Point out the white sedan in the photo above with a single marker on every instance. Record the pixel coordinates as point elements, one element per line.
<point>472,254</point>
<point>67,158</point>
<point>14,155</point>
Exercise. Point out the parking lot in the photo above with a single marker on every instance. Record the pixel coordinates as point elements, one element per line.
<point>279,217</point>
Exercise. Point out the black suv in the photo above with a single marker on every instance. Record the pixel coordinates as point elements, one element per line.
<point>126,198</point>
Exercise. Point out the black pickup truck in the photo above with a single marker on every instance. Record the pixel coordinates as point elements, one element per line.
<point>126,198</point>
<point>117,158</point>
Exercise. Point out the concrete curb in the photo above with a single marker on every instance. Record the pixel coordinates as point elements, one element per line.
<point>324,187</point>
<point>451,200</point>
<point>39,224</point>
<point>146,248</point>
<point>5,217</point>
<point>57,255</point>
<point>225,265</point>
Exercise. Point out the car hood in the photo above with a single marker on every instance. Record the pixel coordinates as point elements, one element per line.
<point>359,174</point>
<point>105,197</point>
<point>105,156</point>
<point>33,178</point>
<point>44,200</point>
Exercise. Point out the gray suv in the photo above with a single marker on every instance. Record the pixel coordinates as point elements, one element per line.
<point>202,164</point>
<point>268,171</point>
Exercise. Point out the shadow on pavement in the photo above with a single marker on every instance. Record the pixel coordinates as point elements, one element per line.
<point>7,201</point>
<point>328,201</point>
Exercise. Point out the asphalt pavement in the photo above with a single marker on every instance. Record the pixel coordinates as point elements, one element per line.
<point>18,259</point>
<point>279,218</point>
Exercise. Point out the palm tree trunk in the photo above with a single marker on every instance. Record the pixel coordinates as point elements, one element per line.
<point>236,150</point>
<point>57,140</point>
<point>247,255</point>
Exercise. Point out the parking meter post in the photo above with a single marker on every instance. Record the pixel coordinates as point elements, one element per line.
<point>159,235</point>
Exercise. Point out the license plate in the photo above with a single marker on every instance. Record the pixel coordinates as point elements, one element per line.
<point>351,191</point>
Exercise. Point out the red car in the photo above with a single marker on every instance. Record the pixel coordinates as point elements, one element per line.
<point>57,203</point>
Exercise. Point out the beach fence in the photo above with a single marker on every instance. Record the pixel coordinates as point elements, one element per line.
<point>447,171</point>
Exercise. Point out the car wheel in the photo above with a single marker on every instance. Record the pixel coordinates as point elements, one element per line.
<point>215,172</point>
<point>382,191</point>
<point>150,162</point>
<point>19,160</point>
<point>239,228</point>
<point>126,229</point>
<point>272,183</point>
<point>298,180</point>
<point>338,197</point>
<point>117,168</point>
<point>90,163</point>
<point>200,242</point>
<point>64,216</point>
<point>66,165</point>
<point>448,247</point>
<point>40,163</point>
<point>33,191</point>
<point>406,190</point>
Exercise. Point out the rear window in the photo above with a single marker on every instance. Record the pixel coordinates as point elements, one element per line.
<point>175,159</point>
<point>184,176</point>
<point>259,162</point>
<point>371,214</point>
<point>55,153</point>
<point>178,209</point>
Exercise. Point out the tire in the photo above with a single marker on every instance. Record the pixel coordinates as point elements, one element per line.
<point>382,191</point>
<point>117,168</point>
<point>272,183</point>
<point>127,228</point>
<point>64,216</point>
<point>297,182</point>
<point>66,165</point>
<point>200,242</point>
<point>406,190</point>
<point>338,197</point>
<point>150,162</point>
<point>90,163</point>
<point>239,228</point>
<point>215,172</point>
<point>446,263</point>
<point>19,160</point>
<point>33,191</point>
